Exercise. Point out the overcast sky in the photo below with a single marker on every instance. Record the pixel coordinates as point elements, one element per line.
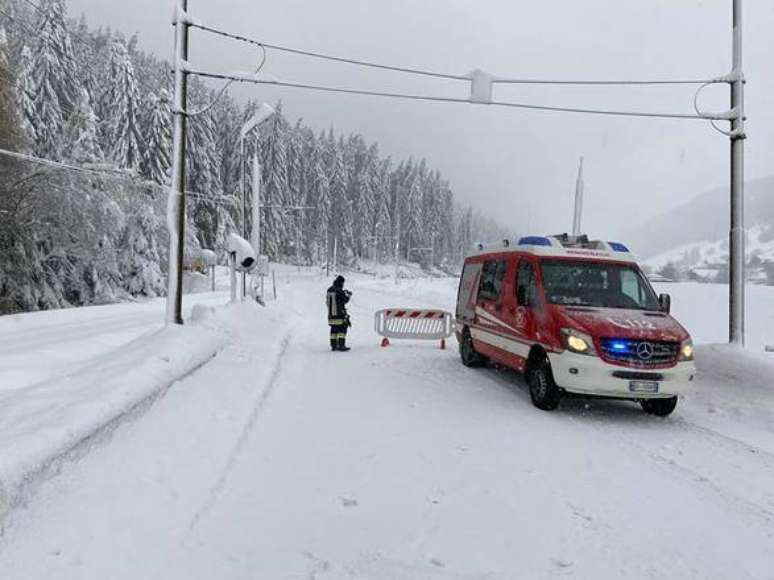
<point>518,166</point>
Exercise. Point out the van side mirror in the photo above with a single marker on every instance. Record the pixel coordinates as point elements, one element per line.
<point>665,303</point>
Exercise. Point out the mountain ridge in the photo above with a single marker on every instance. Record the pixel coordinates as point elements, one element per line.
<point>704,218</point>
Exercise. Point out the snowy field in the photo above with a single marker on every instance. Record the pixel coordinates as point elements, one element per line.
<point>280,460</point>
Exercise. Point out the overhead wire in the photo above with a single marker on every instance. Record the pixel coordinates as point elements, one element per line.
<point>437,74</point>
<point>207,108</point>
<point>417,97</point>
<point>113,173</point>
<point>704,115</point>
<point>318,55</point>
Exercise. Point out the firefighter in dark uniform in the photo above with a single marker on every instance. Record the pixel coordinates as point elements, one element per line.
<point>338,319</point>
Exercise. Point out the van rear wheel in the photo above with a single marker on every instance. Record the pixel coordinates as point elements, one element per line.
<point>659,407</point>
<point>468,354</point>
<point>543,390</point>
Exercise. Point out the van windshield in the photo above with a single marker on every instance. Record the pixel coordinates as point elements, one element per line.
<point>597,284</point>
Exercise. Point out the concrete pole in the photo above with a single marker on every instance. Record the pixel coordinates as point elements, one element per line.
<point>233,276</point>
<point>576,222</point>
<point>737,233</point>
<point>176,202</point>
<point>243,168</point>
<point>255,238</point>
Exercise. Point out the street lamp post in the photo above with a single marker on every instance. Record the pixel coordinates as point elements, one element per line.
<point>261,115</point>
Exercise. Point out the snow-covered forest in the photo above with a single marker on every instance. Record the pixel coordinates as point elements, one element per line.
<point>92,99</point>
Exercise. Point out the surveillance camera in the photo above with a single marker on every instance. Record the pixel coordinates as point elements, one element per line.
<point>209,257</point>
<point>243,253</point>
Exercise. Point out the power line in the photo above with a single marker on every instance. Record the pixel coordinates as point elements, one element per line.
<point>436,74</point>
<point>120,174</point>
<point>65,166</point>
<point>415,97</point>
<point>311,54</point>
<point>498,80</point>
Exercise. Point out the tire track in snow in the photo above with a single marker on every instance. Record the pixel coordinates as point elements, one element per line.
<point>102,435</point>
<point>764,455</point>
<point>725,459</point>
<point>216,490</point>
<point>734,472</point>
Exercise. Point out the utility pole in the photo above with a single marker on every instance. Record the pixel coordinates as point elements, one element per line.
<point>255,234</point>
<point>256,208</point>
<point>576,222</point>
<point>737,233</point>
<point>176,203</point>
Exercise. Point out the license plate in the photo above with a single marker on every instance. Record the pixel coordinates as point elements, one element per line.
<point>643,386</point>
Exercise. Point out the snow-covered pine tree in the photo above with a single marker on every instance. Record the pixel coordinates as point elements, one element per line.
<point>446,242</point>
<point>25,95</point>
<point>340,222</point>
<point>383,226</point>
<point>228,121</point>
<point>123,131</point>
<point>157,127</point>
<point>309,154</point>
<point>83,133</point>
<point>294,219</point>
<point>364,204</point>
<point>319,197</point>
<point>86,59</point>
<point>48,115</point>
<point>204,173</point>
<point>140,256</point>
<point>464,230</point>
<point>274,152</point>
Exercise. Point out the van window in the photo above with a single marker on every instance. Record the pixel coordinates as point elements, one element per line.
<point>630,285</point>
<point>597,284</point>
<point>492,279</point>
<point>468,283</point>
<point>526,285</point>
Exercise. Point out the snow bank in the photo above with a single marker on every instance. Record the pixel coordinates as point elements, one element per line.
<point>43,424</point>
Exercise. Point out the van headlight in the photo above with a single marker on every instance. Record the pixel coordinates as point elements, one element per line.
<point>578,342</point>
<point>686,350</point>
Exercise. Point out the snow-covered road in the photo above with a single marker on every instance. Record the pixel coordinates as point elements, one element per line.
<point>280,459</point>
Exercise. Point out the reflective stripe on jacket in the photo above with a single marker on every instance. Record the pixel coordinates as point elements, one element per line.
<point>336,300</point>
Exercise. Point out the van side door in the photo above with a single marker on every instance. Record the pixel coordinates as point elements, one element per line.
<point>466,294</point>
<point>490,287</point>
<point>527,301</point>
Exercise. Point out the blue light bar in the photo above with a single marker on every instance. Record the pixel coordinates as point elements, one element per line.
<point>534,241</point>
<point>619,346</point>
<point>618,247</point>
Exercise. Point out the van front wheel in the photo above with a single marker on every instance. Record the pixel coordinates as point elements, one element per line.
<point>659,407</point>
<point>542,388</point>
<point>468,354</point>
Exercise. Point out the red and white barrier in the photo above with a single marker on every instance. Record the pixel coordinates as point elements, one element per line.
<point>404,323</point>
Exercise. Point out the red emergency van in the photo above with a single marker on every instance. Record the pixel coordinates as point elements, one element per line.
<point>577,317</point>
